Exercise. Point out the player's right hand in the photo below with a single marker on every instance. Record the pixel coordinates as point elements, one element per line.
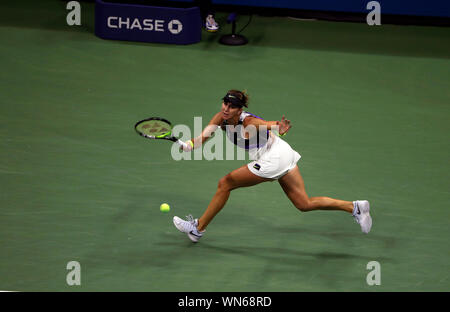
<point>188,146</point>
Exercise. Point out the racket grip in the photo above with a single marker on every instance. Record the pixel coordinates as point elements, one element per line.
<point>182,144</point>
<point>187,147</point>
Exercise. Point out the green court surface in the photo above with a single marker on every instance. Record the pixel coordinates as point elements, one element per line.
<point>370,114</point>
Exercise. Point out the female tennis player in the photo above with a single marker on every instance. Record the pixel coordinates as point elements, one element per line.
<point>274,159</point>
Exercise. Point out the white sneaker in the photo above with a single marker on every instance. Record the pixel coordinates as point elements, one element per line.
<point>189,227</point>
<point>211,24</point>
<point>362,216</point>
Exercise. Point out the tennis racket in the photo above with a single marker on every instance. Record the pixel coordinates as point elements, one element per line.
<point>157,128</point>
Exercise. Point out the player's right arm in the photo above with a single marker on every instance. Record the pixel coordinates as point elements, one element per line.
<point>206,133</point>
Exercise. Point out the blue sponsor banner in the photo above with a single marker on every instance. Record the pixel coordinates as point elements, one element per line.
<point>142,23</point>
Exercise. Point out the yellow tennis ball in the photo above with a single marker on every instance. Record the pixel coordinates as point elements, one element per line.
<point>164,207</point>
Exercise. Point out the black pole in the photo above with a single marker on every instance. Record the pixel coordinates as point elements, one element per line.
<point>233,39</point>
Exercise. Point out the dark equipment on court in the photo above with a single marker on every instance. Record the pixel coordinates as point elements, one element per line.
<point>233,38</point>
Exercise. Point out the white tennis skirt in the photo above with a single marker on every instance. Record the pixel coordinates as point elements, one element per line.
<point>276,161</point>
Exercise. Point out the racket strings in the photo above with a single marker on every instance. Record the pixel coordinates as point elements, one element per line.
<point>154,128</point>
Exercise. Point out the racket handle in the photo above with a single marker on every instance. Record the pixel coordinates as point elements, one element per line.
<point>187,147</point>
<point>182,144</point>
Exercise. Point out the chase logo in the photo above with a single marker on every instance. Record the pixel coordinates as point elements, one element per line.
<point>118,22</point>
<point>175,26</point>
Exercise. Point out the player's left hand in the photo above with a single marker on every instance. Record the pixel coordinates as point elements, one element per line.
<point>284,125</point>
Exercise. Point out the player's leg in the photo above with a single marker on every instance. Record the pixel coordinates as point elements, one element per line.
<point>294,187</point>
<point>240,177</point>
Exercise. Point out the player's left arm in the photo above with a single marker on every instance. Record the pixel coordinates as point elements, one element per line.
<point>282,126</point>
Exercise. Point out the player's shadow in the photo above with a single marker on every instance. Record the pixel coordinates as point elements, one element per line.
<point>290,256</point>
<point>324,267</point>
<point>274,253</point>
<point>385,240</point>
